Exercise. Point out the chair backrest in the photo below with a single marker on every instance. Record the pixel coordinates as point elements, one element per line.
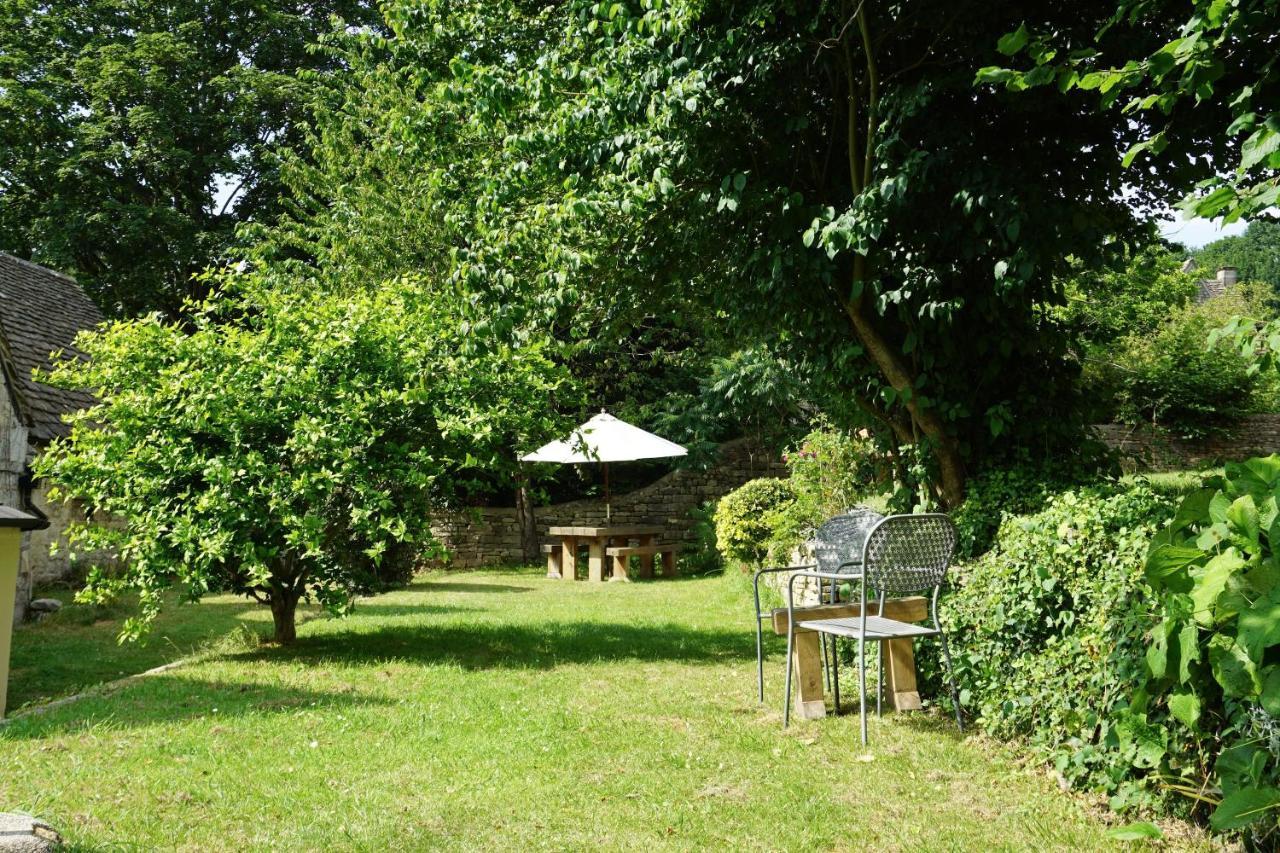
<point>909,553</point>
<point>840,540</point>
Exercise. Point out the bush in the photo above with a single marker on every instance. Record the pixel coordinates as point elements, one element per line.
<point>999,493</point>
<point>1048,634</point>
<point>1213,664</point>
<point>1173,381</point>
<point>745,519</point>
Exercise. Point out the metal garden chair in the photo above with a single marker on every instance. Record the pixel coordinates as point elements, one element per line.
<point>838,549</point>
<point>903,554</point>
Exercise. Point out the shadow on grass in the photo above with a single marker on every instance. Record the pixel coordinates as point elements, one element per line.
<point>481,646</point>
<point>459,586</point>
<point>164,700</point>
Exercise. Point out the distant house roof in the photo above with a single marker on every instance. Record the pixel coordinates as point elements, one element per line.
<point>42,311</point>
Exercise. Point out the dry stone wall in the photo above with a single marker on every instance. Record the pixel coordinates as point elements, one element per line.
<point>1146,449</point>
<point>491,535</point>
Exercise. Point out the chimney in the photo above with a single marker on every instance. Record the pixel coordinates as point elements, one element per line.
<point>1228,276</point>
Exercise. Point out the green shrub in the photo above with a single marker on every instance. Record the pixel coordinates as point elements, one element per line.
<point>1213,663</point>
<point>999,493</point>
<point>702,557</point>
<point>1048,633</point>
<point>746,516</point>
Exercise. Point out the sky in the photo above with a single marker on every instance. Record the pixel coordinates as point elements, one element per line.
<point>1194,233</point>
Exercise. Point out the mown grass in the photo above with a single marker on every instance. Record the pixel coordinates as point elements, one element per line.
<point>505,711</point>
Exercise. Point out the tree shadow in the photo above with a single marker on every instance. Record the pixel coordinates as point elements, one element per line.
<point>506,646</point>
<point>459,586</point>
<point>160,700</point>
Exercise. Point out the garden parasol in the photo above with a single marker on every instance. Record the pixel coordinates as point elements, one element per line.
<point>606,439</point>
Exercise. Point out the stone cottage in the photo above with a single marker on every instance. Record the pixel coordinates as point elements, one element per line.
<point>41,311</point>
<point>1211,288</point>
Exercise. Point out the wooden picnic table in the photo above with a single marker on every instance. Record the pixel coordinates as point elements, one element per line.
<point>597,539</point>
<point>899,664</point>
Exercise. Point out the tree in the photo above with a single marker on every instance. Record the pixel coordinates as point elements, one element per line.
<point>1255,253</point>
<point>284,444</point>
<point>1199,82</point>
<point>135,137</point>
<point>828,182</point>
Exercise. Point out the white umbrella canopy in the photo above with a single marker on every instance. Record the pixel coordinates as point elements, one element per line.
<point>606,439</point>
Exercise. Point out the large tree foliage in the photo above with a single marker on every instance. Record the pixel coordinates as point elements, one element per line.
<point>827,181</point>
<point>134,137</point>
<point>286,445</point>
<point>1201,80</point>
<point>1255,254</point>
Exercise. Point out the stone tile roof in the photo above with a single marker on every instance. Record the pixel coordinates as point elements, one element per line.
<point>1209,288</point>
<point>40,312</point>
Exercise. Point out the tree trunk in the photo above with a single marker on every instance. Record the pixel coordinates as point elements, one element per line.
<point>528,525</point>
<point>943,446</point>
<point>284,610</point>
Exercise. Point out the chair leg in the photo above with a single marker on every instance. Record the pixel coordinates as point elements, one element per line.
<point>835,673</point>
<point>786,707</point>
<point>826,668</point>
<point>880,677</point>
<point>862,687</point>
<point>951,679</point>
<point>759,659</point>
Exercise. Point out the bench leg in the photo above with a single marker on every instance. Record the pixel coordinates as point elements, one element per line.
<point>620,569</point>
<point>595,561</point>
<point>646,560</point>
<point>900,676</point>
<point>806,657</point>
<point>669,564</point>
<point>569,559</point>
<point>553,564</point>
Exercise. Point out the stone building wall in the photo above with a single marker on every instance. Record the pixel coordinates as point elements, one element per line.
<point>491,535</point>
<point>1148,450</point>
<point>13,454</point>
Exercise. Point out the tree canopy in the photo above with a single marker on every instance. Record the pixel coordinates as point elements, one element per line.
<point>134,137</point>
<point>286,445</point>
<point>1255,254</point>
<point>773,167</point>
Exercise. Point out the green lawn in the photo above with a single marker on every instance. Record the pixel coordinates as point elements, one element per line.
<point>498,711</point>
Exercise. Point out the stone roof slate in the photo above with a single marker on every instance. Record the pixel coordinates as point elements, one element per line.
<point>42,311</point>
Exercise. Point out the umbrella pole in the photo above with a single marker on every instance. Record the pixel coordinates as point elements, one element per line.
<point>607,509</point>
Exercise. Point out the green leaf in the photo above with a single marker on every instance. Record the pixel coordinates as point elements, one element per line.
<point>1194,509</point>
<point>1185,707</point>
<point>1243,808</point>
<point>1167,566</point>
<point>1243,520</point>
<point>1258,628</point>
<point>1271,690</point>
<point>1211,581</point>
<point>1232,668</point>
<point>1261,144</point>
<point>1158,651</point>
<point>1188,650</point>
<point>1011,43</point>
<point>1135,832</point>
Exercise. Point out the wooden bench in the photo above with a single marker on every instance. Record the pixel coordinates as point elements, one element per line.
<point>622,556</point>
<point>552,550</point>
<point>900,662</point>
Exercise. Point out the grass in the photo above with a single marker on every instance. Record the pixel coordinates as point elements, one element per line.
<point>498,711</point>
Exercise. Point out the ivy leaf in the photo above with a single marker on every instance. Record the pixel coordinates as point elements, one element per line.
<point>1243,808</point>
